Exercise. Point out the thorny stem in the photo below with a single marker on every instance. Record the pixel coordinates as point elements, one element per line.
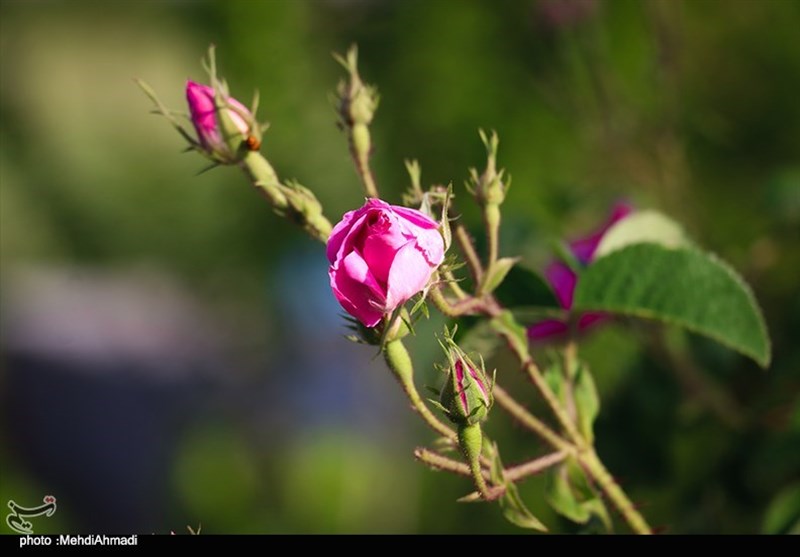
<point>491,218</point>
<point>264,179</point>
<point>468,249</point>
<point>512,474</point>
<point>586,453</point>
<point>535,375</point>
<point>454,309</point>
<point>470,439</point>
<point>533,467</point>
<point>452,282</point>
<point>595,468</point>
<point>294,202</point>
<point>361,158</point>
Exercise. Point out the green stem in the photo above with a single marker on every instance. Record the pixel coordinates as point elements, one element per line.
<point>265,179</point>
<point>399,362</point>
<point>513,474</point>
<point>360,147</point>
<point>468,249</point>
<point>446,464</point>
<point>509,329</point>
<point>595,468</point>
<point>536,466</point>
<point>470,439</point>
<point>292,201</point>
<point>491,218</point>
<point>454,286</point>
<point>454,309</point>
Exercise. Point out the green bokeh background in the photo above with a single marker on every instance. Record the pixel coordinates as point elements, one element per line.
<point>690,108</point>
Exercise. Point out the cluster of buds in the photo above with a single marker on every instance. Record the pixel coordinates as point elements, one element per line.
<point>357,101</point>
<point>227,133</point>
<point>356,105</point>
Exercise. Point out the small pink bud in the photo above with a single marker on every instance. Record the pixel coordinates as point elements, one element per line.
<point>467,394</point>
<point>206,120</point>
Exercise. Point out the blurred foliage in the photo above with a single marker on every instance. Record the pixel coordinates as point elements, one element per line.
<point>686,107</point>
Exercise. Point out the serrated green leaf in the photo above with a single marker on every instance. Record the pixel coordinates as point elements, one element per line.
<point>498,273</point>
<point>642,227</point>
<point>683,286</point>
<point>587,402</point>
<point>523,287</point>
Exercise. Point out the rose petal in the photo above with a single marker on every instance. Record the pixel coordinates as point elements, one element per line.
<point>547,329</point>
<point>589,320</point>
<point>416,218</point>
<point>584,248</point>
<point>408,275</point>
<point>340,232</point>
<point>203,112</point>
<point>237,115</point>
<point>431,243</point>
<point>383,237</point>
<point>357,290</point>
<point>563,281</point>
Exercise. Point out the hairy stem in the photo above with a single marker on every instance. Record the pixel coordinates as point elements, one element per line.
<point>399,362</point>
<point>265,179</point>
<point>468,249</point>
<point>360,142</point>
<point>293,201</point>
<point>506,328</point>
<point>491,218</point>
<point>513,474</point>
<point>454,309</point>
<point>595,468</point>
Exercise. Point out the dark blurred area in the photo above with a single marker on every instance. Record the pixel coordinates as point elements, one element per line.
<point>171,353</point>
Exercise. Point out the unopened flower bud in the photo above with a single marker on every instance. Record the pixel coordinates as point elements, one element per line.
<point>225,128</point>
<point>490,187</point>
<point>357,101</point>
<point>467,395</point>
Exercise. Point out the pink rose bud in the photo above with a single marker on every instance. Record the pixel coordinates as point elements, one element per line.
<point>380,256</point>
<point>206,120</point>
<point>467,394</point>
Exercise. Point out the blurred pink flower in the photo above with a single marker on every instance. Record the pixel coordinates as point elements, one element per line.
<point>563,281</point>
<point>565,13</point>
<point>380,256</point>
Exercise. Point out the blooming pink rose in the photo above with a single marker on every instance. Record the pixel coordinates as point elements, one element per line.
<point>380,256</point>
<point>563,280</point>
<point>203,110</point>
